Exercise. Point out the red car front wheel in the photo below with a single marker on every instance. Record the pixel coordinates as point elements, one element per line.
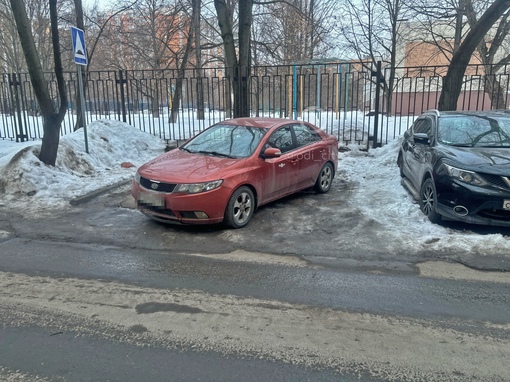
<point>240,208</point>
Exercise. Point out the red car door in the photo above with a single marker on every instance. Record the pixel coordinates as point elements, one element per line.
<point>279,175</point>
<point>311,152</point>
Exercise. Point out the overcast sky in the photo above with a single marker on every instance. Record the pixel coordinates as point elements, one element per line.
<point>90,3</point>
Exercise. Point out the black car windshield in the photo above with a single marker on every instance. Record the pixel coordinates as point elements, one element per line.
<point>475,130</point>
<point>227,141</point>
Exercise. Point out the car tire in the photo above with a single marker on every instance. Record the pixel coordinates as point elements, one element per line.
<point>428,201</point>
<point>240,208</point>
<point>400,164</point>
<point>324,179</point>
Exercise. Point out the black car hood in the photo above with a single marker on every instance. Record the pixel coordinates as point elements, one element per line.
<point>479,159</point>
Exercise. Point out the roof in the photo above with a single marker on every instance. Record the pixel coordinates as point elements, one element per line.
<point>438,113</point>
<point>266,123</point>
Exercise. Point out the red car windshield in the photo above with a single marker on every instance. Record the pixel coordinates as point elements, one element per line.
<point>226,140</point>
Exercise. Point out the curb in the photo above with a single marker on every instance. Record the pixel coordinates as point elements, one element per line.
<point>93,194</point>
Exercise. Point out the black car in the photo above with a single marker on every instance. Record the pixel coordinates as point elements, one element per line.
<point>457,165</point>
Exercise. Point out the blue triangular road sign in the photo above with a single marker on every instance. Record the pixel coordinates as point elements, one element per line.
<point>79,49</point>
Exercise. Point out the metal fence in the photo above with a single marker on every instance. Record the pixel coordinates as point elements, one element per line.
<point>340,97</point>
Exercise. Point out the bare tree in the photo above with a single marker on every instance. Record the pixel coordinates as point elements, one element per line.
<point>198,59</point>
<point>176,99</point>
<point>435,32</point>
<point>38,11</point>
<point>452,82</point>
<point>372,31</point>
<point>52,119</point>
<point>38,14</point>
<point>152,34</point>
<point>238,61</point>
<point>292,31</point>
<point>98,25</point>
<point>488,53</point>
<point>11,56</point>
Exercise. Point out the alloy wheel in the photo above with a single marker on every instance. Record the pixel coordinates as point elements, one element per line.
<point>325,178</point>
<point>428,200</point>
<point>242,208</point>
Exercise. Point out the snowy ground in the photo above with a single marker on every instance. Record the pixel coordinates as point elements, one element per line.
<point>26,181</point>
<point>377,194</point>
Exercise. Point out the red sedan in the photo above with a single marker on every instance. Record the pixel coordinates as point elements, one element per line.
<point>231,168</point>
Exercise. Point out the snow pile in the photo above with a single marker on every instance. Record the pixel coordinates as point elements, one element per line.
<point>381,198</point>
<point>24,179</point>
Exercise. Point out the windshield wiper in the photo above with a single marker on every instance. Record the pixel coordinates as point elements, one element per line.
<point>185,149</point>
<point>216,153</point>
<point>460,144</point>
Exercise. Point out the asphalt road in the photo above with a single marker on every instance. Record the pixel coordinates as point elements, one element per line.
<point>97,292</point>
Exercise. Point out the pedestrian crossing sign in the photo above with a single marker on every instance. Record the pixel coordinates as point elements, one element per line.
<point>79,50</point>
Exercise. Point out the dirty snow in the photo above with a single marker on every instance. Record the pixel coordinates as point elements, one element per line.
<point>25,180</point>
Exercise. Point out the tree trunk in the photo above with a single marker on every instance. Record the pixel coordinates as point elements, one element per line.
<point>155,99</point>
<point>244,70</point>
<point>240,88</point>
<point>52,119</point>
<point>50,140</point>
<point>176,99</point>
<point>241,68</point>
<point>493,88</point>
<point>198,59</point>
<point>452,82</point>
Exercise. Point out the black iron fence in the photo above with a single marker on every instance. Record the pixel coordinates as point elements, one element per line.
<point>340,97</point>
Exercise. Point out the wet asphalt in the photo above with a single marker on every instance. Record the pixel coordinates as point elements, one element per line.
<point>105,238</point>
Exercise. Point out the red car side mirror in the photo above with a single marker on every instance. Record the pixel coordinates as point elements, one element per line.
<point>272,152</point>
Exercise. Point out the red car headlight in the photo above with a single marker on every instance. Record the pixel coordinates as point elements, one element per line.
<point>194,188</point>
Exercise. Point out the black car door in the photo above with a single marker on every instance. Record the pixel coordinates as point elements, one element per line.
<point>417,150</point>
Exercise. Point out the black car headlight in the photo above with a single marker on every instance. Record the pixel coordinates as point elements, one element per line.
<point>465,176</point>
<point>194,188</point>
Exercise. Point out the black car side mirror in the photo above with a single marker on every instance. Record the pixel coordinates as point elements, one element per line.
<point>421,138</point>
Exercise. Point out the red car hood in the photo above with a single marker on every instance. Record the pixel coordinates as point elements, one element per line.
<point>178,166</point>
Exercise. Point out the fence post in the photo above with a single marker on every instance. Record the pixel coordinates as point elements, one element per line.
<point>378,80</point>
<point>294,91</point>
<point>121,81</point>
<point>14,83</point>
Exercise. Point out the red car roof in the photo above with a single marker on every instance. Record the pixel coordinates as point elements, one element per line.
<point>258,122</point>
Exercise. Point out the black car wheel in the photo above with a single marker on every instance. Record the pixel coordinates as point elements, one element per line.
<point>240,208</point>
<point>325,178</point>
<point>428,201</point>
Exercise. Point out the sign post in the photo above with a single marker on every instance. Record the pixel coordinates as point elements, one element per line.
<point>80,58</point>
